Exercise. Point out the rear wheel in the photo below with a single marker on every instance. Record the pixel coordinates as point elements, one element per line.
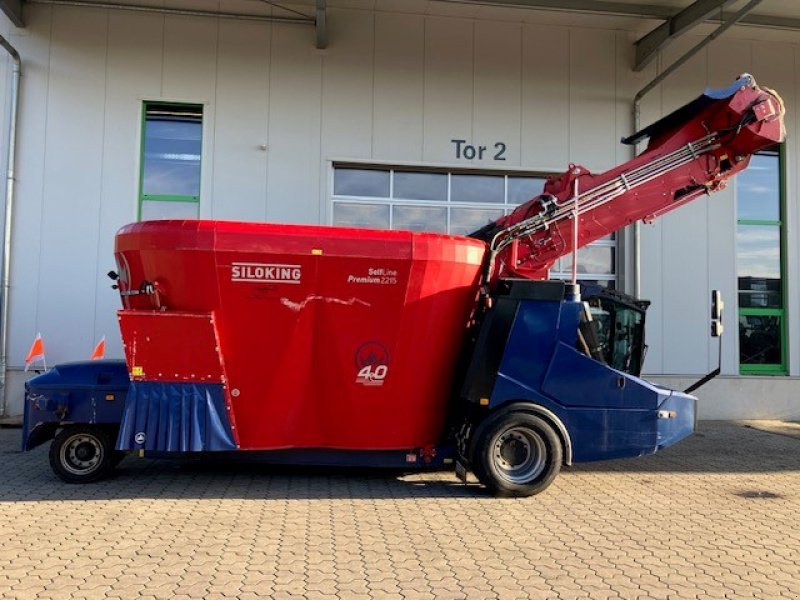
<point>517,454</point>
<point>82,454</point>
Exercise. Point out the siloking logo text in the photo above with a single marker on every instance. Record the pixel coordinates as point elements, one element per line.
<point>265,273</point>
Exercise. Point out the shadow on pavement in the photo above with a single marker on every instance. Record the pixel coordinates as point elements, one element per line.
<point>717,447</point>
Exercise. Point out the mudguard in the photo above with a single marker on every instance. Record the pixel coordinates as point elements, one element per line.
<point>88,392</point>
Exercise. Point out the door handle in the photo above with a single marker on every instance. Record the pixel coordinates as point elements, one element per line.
<point>621,382</point>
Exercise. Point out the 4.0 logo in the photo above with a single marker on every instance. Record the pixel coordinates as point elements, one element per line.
<point>370,375</point>
<point>372,362</point>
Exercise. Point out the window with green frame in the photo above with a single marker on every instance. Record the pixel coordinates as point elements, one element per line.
<point>760,265</point>
<point>169,180</point>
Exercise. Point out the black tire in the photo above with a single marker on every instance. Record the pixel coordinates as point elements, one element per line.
<point>82,454</point>
<point>516,454</point>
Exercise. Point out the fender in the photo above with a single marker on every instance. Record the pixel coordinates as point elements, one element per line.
<point>529,407</point>
<point>85,393</point>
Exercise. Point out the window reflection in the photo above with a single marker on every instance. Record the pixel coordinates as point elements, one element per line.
<point>758,292</point>
<point>420,218</point>
<point>597,260</point>
<point>522,189</point>
<point>759,265</point>
<point>477,188</point>
<point>760,340</point>
<point>757,189</point>
<point>467,220</point>
<point>172,150</point>
<point>420,186</point>
<point>374,216</point>
<point>759,251</point>
<point>371,183</point>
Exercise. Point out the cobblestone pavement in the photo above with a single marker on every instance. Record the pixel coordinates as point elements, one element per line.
<point>717,516</point>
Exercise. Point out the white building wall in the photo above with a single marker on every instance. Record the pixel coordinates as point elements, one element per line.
<point>392,86</point>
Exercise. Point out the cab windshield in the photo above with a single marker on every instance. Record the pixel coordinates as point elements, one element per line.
<point>620,333</point>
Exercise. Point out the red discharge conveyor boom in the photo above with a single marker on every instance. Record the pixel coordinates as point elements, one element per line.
<point>692,151</point>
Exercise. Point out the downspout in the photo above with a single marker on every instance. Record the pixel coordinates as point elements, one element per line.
<point>637,101</point>
<point>6,271</point>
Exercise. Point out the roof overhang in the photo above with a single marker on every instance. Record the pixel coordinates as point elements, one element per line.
<point>647,48</point>
<point>679,17</point>
<point>645,10</point>
<point>13,10</point>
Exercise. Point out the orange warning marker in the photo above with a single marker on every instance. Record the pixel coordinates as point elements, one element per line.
<point>99,351</point>
<point>36,353</point>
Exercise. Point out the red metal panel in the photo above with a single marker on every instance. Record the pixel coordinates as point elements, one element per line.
<point>332,337</point>
<point>171,346</point>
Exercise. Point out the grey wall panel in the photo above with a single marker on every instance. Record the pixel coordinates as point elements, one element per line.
<point>404,6</point>
<point>347,96</point>
<point>71,198</point>
<point>628,84</point>
<point>294,127</point>
<point>449,87</point>
<point>652,289</point>
<point>347,86</point>
<point>685,289</point>
<point>545,96</point>
<point>398,95</point>
<point>498,92</point>
<point>133,72</point>
<point>651,243</point>
<point>684,254</point>
<point>34,45</point>
<point>208,5</point>
<point>592,98</point>
<point>189,75</point>
<point>190,58</point>
<point>255,8</point>
<point>652,253</point>
<point>726,60</point>
<point>721,232</point>
<point>241,116</point>
<point>744,398</point>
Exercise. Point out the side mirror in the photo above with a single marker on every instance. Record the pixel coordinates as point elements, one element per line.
<point>716,305</point>
<point>716,313</point>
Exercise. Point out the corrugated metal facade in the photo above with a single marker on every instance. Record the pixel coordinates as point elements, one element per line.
<point>392,87</point>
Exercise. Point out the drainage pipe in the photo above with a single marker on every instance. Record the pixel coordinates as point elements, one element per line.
<point>637,101</point>
<point>9,201</point>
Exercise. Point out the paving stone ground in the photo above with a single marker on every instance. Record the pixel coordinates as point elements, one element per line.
<point>717,516</point>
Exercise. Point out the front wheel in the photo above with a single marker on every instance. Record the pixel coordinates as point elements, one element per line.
<point>517,454</point>
<point>82,454</point>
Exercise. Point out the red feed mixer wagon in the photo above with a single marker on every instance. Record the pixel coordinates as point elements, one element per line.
<point>326,345</point>
<point>320,337</point>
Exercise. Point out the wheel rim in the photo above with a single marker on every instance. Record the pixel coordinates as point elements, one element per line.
<point>81,454</point>
<point>519,455</point>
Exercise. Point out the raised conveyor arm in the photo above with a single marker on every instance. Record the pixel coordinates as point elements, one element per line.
<point>690,152</point>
